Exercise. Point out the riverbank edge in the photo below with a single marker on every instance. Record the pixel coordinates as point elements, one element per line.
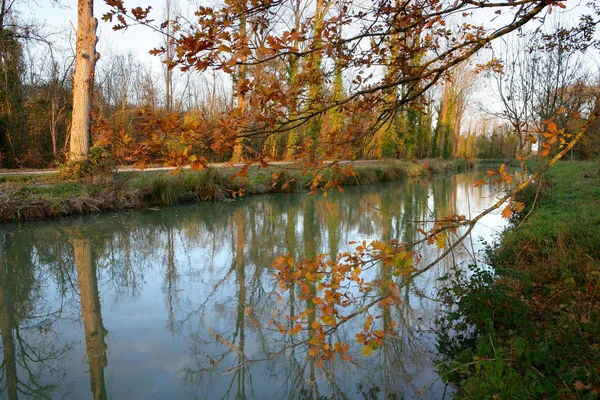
<point>530,327</point>
<point>26,198</point>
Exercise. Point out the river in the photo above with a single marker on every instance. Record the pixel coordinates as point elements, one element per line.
<point>175,303</point>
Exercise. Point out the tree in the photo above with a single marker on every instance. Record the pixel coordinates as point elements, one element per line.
<point>83,80</point>
<point>11,95</point>
<point>386,80</point>
<point>218,39</point>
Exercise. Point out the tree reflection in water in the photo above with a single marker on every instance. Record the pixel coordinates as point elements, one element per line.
<point>32,354</point>
<point>91,312</point>
<point>187,295</point>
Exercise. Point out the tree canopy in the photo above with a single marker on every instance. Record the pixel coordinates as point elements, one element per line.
<point>389,54</point>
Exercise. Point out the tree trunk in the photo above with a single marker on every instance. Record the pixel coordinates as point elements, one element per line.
<point>53,128</point>
<point>83,80</point>
<point>170,50</point>
<point>238,148</point>
<point>315,87</point>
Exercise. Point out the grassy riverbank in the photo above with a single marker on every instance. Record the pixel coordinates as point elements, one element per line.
<point>531,327</point>
<point>31,197</point>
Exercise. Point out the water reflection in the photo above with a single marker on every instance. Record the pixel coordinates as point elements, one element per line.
<point>95,332</point>
<point>180,300</point>
<point>32,355</point>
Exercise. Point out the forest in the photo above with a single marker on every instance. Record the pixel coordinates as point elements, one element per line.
<point>279,80</point>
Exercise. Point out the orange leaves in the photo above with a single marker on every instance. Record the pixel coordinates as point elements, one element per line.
<point>372,338</point>
<point>545,150</point>
<point>296,329</point>
<point>317,326</point>
<point>513,206</point>
<point>551,134</point>
<point>329,289</point>
<point>502,176</point>
<point>348,171</point>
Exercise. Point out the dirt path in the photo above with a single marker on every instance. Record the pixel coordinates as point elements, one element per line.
<point>36,172</point>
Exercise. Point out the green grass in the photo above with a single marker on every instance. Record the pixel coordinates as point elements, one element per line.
<point>60,189</point>
<point>531,327</point>
<point>39,197</point>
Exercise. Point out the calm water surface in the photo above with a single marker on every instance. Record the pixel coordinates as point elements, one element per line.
<point>173,303</point>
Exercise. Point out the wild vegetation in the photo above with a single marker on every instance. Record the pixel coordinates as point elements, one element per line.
<point>529,326</point>
<point>29,197</point>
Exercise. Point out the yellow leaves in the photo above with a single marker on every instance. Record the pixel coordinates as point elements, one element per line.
<point>440,240</point>
<point>367,350</point>
<point>317,325</point>
<point>341,348</point>
<point>518,206</point>
<point>329,320</point>
<point>313,351</point>
<point>403,262</point>
<point>368,322</point>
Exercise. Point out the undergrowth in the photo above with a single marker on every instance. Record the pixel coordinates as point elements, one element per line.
<point>529,326</point>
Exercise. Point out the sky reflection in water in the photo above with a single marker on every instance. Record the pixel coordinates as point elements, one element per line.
<point>165,304</point>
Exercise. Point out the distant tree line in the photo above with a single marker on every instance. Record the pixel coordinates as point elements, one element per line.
<point>141,115</point>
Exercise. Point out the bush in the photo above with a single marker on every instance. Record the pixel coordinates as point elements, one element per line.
<point>99,163</point>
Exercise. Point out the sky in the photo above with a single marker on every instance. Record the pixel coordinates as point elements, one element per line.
<point>139,40</point>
